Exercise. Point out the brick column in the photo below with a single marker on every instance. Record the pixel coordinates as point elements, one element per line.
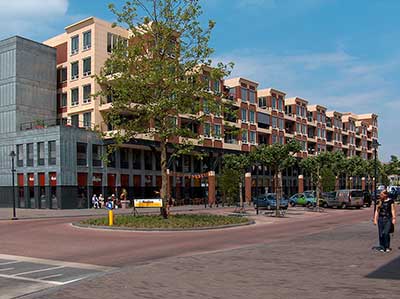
<point>247,187</point>
<point>363,185</point>
<point>211,188</point>
<point>301,184</point>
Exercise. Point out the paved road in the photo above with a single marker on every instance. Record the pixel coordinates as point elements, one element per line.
<point>57,239</point>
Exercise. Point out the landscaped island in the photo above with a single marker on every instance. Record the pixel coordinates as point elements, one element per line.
<point>174,222</point>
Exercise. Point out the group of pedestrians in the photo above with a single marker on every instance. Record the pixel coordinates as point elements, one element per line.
<point>385,218</point>
<point>98,202</point>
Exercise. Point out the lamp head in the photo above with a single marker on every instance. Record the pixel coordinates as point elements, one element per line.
<point>12,154</point>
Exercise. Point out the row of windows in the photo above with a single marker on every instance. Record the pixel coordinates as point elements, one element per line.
<point>321,133</point>
<point>278,123</point>
<point>74,121</point>
<point>301,128</point>
<point>301,111</point>
<point>216,132</point>
<point>277,103</point>
<point>321,117</point>
<point>246,136</point>
<point>62,73</point>
<point>86,42</point>
<point>278,139</point>
<point>247,95</point>
<point>26,157</point>
<point>251,116</point>
<point>86,92</point>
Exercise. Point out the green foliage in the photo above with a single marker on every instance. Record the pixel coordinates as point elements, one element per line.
<point>173,222</point>
<point>328,179</point>
<point>228,182</point>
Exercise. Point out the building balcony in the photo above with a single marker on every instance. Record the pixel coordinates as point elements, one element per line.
<point>47,123</point>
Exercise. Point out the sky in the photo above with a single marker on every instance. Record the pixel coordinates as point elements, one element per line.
<point>338,53</point>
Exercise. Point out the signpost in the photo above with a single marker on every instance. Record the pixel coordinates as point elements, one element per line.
<point>146,203</point>
<point>110,207</point>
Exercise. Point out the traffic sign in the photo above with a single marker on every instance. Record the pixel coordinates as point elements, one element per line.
<point>109,205</point>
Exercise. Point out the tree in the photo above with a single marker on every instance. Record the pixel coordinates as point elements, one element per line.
<point>163,72</point>
<point>277,157</point>
<point>328,179</point>
<point>236,167</point>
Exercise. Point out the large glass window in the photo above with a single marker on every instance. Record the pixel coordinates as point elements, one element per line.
<point>244,136</point>
<point>87,66</point>
<point>252,117</point>
<point>274,106</point>
<point>137,156</point>
<point>63,101</point>
<point>29,154</point>
<point>74,44</point>
<point>87,40</point>
<point>96,155</point>
<point>111,159</point>
<point>280,104</point>
<point>74,70</point>
<point>87,91</point>
<point>87,120</point>
<point>75,97</point>
<point>243,94</point>
<point>40,153</point>
<point>148,160</point>
<point>244,115</point>
<point>207,129</point>
<point>274,122</point>
<point>252,137</point>
<point>252,97</point>
<point>62,75</point>
<point>113,40</point>
<point>52,153</point>
<point>262,102</point>
<point>81,154</point>
<point>20,155</point>
<point>217,131</point>
<point>124,158</point>
<point>75,120</point>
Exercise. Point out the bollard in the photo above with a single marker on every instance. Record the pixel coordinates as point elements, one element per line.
<point>110,218</point>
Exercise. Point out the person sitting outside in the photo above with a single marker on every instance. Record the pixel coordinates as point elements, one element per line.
<point>95,201</point>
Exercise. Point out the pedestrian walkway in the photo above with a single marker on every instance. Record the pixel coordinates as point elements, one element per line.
<point>23,275</point>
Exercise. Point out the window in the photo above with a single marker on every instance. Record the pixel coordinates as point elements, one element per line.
<point>304,129</point>
<point>281,140</point>
<point>252,97</point>
<point>29,154</point>
<point>40,153</point>
<point>274,139</point>
<point>52,152</point>
<point>232,93</point>
<point>74,70</point>
<point>74,44</point>
<point>87,120</point>
<point>87,66</point>
<point>252,137</point>
<point>87,91</point>
<point>298,128</point>
<point>262,102</point>
<point>20,155</point>
<point>217,131</point>
<point>273,103</point>
<point>75,120</point>
<point>137,155</point>
<point>274,122</point>
<point>81,154</point>
<point>281,124</point>
<point>63,102</point>
<point>280,104</point>
<point>87,40</point>
<point>252,117</point>
<point>113,40</point>
<point>74,97</point>
<point>124,158</point>
<point>318,132</point>
<point>216,86</point>
<point>96,155</point>
<point>207,130</point>
<point>148,160</point>
<point>244,115</point>
<point>111,159</point>
<point>243,94</point>
<point>62,75</point>
<point>244,136</point>
<point>206,109</point>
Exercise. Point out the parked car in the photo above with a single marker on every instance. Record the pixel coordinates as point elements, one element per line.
<point>268,201</point>
<point>349,198</point>
<point>306,198</point>
<point>327,199</point>
<point>394,192</point>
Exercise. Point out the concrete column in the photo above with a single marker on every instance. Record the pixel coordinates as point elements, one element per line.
<point>363,185</point>
<point>211,188</point>
<point>301,184</point>
<point>247,187</point>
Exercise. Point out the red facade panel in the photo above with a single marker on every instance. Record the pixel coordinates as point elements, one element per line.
<point>41,179</point>
<point>62,53</point>
<point>82,179</point>
<point>31,179</point>
<point>111,180</point>
<point>52,179</point>
<point>20,179</point>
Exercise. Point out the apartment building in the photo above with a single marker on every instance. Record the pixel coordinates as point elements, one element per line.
<point>73,169</point>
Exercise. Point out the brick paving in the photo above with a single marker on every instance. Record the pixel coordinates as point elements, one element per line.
<point>337,263</point>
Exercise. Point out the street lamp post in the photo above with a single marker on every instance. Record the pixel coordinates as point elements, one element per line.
<point>12,155</point>
<point>375,145</point>
<point>257,186</point>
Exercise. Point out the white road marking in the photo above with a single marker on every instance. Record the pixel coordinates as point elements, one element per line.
<point>9,263</point>
<point>31,279</point>
<point>34,271</point>
<point>50,276</point>
<point>7,269</point>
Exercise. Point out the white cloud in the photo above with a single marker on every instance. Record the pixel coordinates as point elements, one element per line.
<point>31,18</point>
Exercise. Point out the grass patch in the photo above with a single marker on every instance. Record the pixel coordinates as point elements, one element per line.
<point>173,222</point>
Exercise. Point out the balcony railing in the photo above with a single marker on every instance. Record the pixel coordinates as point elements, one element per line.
<point>48,123</point>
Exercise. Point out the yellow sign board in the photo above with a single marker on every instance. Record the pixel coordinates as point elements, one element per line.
<point>148,203</point>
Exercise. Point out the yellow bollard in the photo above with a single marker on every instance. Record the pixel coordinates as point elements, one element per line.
<point>110,218</point>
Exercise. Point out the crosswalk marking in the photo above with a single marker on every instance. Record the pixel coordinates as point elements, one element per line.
<point>50,276</point>
<point>9,263</point>
<point>7,269</point>
<point>40,270</point>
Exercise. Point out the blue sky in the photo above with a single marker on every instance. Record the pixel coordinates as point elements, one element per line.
<point>342,54</point>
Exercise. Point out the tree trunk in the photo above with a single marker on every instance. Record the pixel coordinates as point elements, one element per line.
<point>164,192</point>
<point>318,188</point>
<point>278,190</point>
<point>241,194</point>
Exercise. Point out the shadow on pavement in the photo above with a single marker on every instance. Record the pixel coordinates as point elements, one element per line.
<point>389,271</point>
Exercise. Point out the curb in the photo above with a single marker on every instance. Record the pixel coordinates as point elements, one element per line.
<point>116,228</point>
